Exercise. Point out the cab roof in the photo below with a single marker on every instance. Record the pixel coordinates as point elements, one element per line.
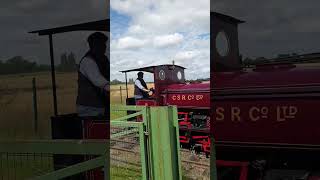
<point>101,25</point>
<point>149,69</point>
<point>227,18</point>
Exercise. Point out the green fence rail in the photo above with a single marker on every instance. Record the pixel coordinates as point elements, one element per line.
<point>127,150</point>
<point>144,144</point>
<point>33,159</point>
<point>149,137</point>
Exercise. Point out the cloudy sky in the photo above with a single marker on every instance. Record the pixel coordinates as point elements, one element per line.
<point>275,26</point>
<point>152,32</point>
<point>18,17</point>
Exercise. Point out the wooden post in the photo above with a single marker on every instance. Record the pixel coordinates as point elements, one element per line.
<point>35,105</point>
<point>126,84</point>
<point>53,76</point>
<point>121,94</point>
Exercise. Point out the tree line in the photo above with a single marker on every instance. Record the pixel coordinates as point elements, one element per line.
<point>19,64</point>
<point>131,81</point>
<point>248,62</point>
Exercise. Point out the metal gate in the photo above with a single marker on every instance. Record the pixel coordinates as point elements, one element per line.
<point>144,143</point>
<point>34,159</point>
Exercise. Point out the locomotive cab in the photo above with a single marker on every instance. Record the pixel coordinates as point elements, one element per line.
<point>163,75</point>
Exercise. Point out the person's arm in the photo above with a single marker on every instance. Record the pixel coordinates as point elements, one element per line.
<point>91,71</point>
<point>138,83</point>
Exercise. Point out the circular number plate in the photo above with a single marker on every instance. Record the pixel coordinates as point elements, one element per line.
<point>162,75</point>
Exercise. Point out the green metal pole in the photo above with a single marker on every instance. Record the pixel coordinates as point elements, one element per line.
<point>173,113</point>
<point>146,119</point>
<point>164,140</point>
<point>107,164</point>
<point>143,152</point>
<point>213,164</point>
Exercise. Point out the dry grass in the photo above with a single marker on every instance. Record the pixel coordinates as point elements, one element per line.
<point>116,96</point>
<point>16,102</point>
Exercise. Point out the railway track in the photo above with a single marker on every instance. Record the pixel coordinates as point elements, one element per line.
<point>198,164</point>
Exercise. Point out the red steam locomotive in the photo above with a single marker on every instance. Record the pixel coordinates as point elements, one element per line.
<point>266,115</point>
<point>192,100</point>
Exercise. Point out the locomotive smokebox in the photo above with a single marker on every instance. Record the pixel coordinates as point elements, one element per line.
<point>224,43</point>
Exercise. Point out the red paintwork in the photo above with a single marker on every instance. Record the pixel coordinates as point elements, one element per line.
<point>188,95</point>
<point>145,102</point>
<point>271,78</point>
<point>185,121</point>
<point>190,86</point>
<point>96,130</point>
<point>302,128</point>
<point>184,139</point>
<point>314,178</point>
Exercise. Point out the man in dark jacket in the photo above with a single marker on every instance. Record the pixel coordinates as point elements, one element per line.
<point>140,87</point>
<point>93,78</point>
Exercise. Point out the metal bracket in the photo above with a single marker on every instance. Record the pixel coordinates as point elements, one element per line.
<point>146,133</point>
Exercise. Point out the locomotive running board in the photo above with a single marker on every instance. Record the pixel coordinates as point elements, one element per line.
<point>267,145</point>
<point>120,134</point>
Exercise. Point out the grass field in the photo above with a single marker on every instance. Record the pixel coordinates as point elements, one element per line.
<point>16,113</point>
<point>16,102</point>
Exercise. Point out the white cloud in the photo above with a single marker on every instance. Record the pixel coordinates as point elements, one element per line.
<point>130,7</point>
<point>160,31</point>
<point>136,29</point>
<point>167,40</point>
<point>130,43</point>
<point>186,55</point>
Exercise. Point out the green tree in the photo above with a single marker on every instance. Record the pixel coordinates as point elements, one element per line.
<point>115,81</point>
<point>67,62</point>
<point>71,62</point>
<point>63,62</point>
<point>131,81</point>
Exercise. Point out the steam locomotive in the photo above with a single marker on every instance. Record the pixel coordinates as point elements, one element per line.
<point>266,115</point>
<point>192,100</point>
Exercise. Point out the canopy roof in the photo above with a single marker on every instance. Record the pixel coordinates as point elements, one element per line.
<point>101,25</point>
<point>227,18</point>
<point>150,69</point>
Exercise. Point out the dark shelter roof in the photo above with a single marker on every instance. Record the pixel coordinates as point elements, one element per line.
<point>149,69</point>
<point>227,18</point>
<point>102,25</point>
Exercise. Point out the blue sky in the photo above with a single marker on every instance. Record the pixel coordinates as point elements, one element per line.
<point>150,32</point>
<point>119,23</point>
